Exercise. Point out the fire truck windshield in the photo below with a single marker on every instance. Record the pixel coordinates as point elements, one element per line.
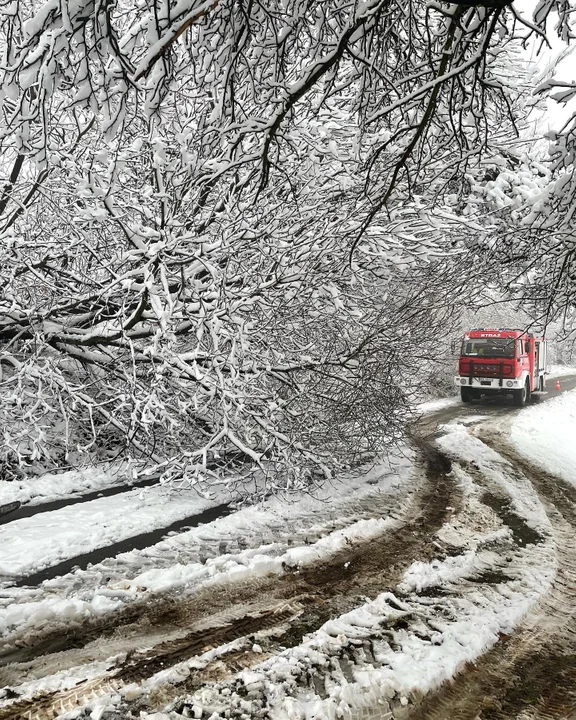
<point>489,347</point>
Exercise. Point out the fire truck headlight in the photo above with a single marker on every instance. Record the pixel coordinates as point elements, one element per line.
<point>509,383</point>
<point>462,381</point>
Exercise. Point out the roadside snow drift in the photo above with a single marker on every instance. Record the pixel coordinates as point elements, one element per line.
<point>546,435</point>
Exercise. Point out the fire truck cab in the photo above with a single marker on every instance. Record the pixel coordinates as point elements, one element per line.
<point>501,361</point>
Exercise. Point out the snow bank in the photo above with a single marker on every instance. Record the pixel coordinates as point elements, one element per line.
<point>433,405</point>
<point>546,435</point>
<point>561,370</point>
<point>46,539</point>
<point>57,486</point>
<point>46,612</point>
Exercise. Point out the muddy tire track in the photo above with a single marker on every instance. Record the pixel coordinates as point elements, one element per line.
<point>554,490</point>
<point>142,664</point>
<point>329,588</point>
<point>532,674</point>
<point>205,544</point>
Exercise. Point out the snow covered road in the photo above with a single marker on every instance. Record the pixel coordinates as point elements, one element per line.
<point>371,601</point>
<point>43,540</point>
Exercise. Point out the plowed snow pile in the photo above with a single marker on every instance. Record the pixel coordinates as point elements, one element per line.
<point>545,434</point>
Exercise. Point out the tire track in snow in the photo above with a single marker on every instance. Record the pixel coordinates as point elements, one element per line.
<point>333,585</point>
<point>330,685</point>
<point>212,541</point>
<point>231,538</point>
<point>530,675</point>
<point>29,509</point>
<point>135,542</point>
<point>143,663</point>
<point>210,544</point>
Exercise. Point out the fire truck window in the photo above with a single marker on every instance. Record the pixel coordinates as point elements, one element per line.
<point>489,347</point>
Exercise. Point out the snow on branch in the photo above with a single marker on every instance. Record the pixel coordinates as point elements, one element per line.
<point>181,186</point>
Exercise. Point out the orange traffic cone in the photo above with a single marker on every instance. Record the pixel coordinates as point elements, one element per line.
<point>557,386</point>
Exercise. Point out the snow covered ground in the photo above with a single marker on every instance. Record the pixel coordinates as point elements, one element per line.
<point>68,484</point>
<point>496,557</point>
<point>555,371</point>
<point>546,435</point>
<point>417,642</point>
<point>34,543</point>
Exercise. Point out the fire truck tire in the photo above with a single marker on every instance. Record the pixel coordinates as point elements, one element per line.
<point>466,394</point>
<point>521,397</point>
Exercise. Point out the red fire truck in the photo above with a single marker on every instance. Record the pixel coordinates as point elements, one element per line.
<point>503,361</point>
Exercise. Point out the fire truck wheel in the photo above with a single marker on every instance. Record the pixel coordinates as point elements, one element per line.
<point>466,394</point>
<point>521,397</point>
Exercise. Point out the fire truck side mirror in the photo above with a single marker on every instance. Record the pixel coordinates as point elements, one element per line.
<point>453,346</point>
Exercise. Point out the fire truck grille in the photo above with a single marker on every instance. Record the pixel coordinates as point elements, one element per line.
<point>486,369</point>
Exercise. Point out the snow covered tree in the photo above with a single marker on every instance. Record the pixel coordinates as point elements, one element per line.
<point>541,248</point>
<point>230,230</point>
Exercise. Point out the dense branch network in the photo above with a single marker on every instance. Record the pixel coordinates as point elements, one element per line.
<point>221,222</point>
